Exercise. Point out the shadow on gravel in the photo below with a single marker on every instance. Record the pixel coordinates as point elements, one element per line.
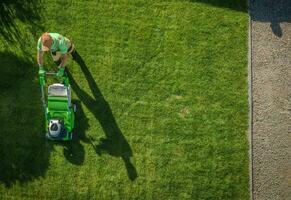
<point>24,153</point>
<point>238,5</point>
<point>115,144</point>
<point>11,11</point>
<point>274,12</point>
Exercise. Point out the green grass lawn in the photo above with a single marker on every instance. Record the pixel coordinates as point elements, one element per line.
<point>161,91</point>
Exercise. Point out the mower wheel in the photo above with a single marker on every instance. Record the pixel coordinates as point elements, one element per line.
<point>74,107</point>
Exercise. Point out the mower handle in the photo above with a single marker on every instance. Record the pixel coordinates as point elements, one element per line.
<point>50,73</point>
<point>42,78</point>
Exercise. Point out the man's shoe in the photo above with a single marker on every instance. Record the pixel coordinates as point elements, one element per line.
<point>74,54</point>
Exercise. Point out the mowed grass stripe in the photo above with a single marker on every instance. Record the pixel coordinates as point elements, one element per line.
<point>174,76</point>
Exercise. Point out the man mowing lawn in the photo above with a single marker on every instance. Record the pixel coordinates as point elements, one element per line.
<point>59,46</point>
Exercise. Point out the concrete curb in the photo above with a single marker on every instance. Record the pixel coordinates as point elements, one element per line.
<point>250,99</point>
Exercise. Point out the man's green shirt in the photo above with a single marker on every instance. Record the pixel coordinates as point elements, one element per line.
<point>60,43</point>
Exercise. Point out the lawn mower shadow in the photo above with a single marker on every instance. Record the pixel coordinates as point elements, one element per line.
<point>24,152</point>
<point>73,150</point>
<point>115,143</point>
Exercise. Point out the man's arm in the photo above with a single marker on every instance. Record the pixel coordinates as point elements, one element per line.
<point>62,65</point>
<point>64,60</point>
<point>40,58</point>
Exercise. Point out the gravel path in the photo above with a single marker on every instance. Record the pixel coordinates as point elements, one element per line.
<point>271,99</point>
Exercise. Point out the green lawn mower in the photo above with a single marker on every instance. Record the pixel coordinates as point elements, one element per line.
<point>58,108</point>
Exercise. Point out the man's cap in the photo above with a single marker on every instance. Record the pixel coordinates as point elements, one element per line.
<point>46,42</point>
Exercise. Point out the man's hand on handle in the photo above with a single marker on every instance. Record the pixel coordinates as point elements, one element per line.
<point>41,70</point>
<point>61,71</point>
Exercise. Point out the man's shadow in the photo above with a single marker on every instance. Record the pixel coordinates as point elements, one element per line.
<point>115,144</point>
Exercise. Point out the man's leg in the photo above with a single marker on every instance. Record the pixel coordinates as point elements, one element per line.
<point>56,57</point>
<point>74,54</point>
<point>72,51</point>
